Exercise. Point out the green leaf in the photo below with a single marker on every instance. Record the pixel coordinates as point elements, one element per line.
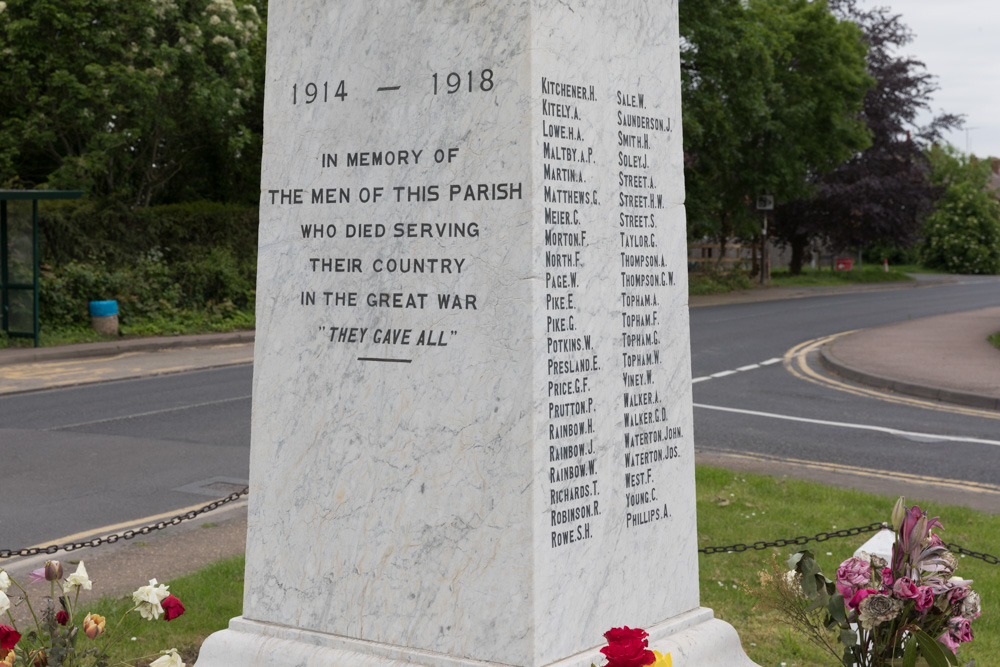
<point>910,653</point>
<point>932,650</point>
<point>837,609</point>
<point>793,560</point>
<point>848,638</point>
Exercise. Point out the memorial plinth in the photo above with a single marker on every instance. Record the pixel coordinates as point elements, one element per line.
<point>472,429</point>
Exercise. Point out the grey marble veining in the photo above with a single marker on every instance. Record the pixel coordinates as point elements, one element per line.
<point>472,432</point>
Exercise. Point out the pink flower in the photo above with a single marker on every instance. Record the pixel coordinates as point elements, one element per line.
<point>961,628</point>
<point>53,570</point>
<point>852,574</point>
<point>925,598</point>
<point>915,530</point>
<point>859,596</point>
<point>905,589</point>
<point>36,576</point>
<point>948,641</point>
<point>887,579</point>
<point>957,594</point>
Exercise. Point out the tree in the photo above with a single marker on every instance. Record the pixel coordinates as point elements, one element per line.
<point>772,93</point>
<point>962,234</point>
<point>882,194</point>
<point>119,97</point>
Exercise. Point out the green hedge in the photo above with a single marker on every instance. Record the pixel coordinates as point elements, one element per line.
<point>161,264</point>
<point>116,235</point>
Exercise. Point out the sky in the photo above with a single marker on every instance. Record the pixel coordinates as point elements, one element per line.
<point>959,42</point>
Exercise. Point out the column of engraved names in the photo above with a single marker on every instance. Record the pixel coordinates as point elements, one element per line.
<point>569,356</point>
<point>644,275</point>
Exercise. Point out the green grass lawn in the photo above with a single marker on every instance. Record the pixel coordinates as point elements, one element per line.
<point>762,508</point>
<point>828,277</point>
<point>732,508</point>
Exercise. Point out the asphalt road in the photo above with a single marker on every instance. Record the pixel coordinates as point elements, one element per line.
<point>779,414</point>
<point>110,453</point>
<point>98,455</point>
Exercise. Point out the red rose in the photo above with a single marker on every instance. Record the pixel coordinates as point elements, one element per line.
<point>627,648</point>
<point>62,618</point>
<point>172,608</point>
<point>8,637</point>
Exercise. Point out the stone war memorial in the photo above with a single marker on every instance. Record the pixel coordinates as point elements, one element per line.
<point>472,425</point>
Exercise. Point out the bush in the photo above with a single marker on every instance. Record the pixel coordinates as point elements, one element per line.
<point>172,269</point>
<point>962,235</point>
<point>114,234</point>
<point>718,282</point>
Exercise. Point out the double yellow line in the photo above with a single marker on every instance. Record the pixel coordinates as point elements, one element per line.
<point>796,362</point>
<point>854,471</point>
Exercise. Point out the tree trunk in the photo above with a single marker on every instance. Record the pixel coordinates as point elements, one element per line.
<point>798,243</point>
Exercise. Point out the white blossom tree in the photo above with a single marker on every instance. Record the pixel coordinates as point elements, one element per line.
<point>119,97</point>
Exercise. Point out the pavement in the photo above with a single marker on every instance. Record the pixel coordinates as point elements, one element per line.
<point>945,358</point>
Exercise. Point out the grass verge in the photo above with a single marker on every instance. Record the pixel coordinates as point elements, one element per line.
<point>180,323</point>
<point>995,339</point>
<point>743,508</point>
<point>211,597</point>
<point>829,277</point>
<point>717,282</point>
<point>732,508</point>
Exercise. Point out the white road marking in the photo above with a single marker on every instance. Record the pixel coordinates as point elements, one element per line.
<point>741,369</point>
<point>148,414</point>
<point>925,437</point>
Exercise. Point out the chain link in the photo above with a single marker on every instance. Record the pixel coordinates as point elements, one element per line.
<point>989,558</point>
<point>732,548</point>
<point>128,534</point>
<point>823,537</point>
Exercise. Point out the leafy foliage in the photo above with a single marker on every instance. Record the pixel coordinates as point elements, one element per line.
<point>772,91</point>
<point>194,264</point>
<point>880,195</point>
<point>121,97</point>
<point>962,235</point>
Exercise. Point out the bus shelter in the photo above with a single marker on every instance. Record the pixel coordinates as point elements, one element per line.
<point>19,259</point>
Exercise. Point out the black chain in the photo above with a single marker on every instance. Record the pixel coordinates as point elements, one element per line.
<point>989,558</point>
<point>823,537</point>
<point>128,534</point>
<point>732,548</point>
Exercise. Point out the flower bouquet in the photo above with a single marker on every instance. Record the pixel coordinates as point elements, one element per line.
<point>55,636</point>
<point>628,647</point>
<point>910,611</point>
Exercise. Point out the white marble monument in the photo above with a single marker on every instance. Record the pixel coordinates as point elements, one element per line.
<point>472,428</point>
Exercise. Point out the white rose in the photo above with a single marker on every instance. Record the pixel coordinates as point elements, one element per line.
<point>148,598</point>
<point>78,580</point>
<point>168,659</point>
<point>4,581</point>
<point>4,603</point>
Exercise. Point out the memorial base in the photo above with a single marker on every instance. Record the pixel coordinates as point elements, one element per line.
<point>693,638</point>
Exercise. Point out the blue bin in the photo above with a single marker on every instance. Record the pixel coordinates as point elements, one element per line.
<point>103,308</point>
<point>104,317</point>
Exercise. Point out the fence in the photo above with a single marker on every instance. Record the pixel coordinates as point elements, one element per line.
<point>732,548</point>
<point>703,257</point>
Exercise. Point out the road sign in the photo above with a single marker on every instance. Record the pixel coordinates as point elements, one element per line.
<point>765,202</point>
